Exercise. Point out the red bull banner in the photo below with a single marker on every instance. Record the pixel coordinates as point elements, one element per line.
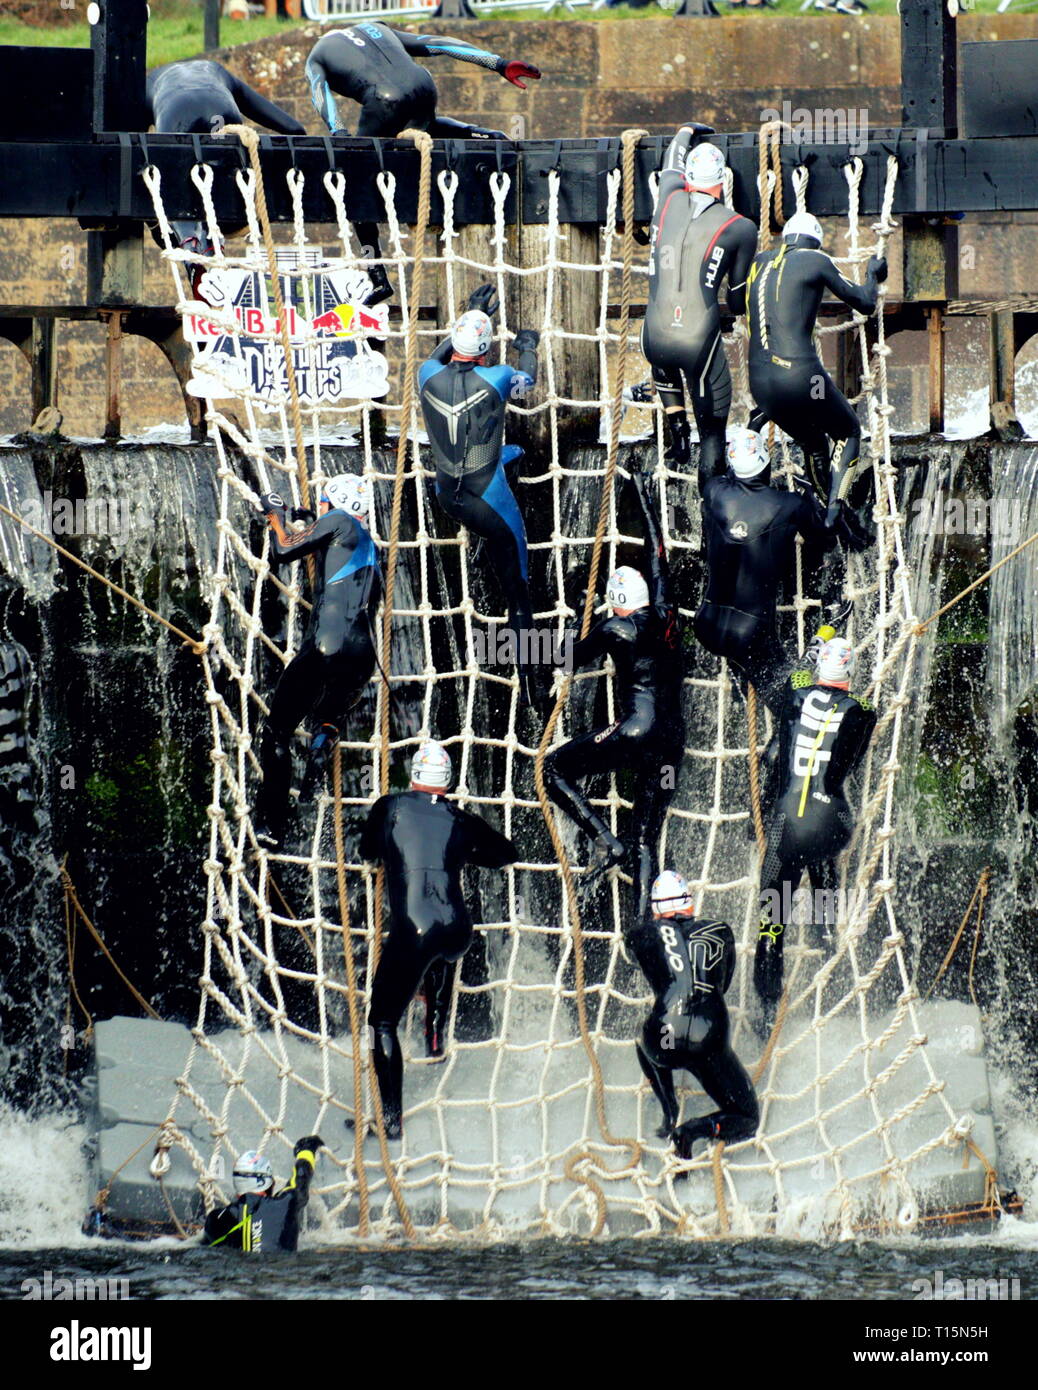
<point>333,333</point>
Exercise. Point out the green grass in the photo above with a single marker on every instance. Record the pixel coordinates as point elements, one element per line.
<point>175,30</point>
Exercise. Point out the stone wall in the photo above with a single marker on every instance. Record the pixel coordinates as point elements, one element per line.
<point>600,78</point>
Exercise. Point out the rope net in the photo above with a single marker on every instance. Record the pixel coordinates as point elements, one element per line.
<point>539,1120</point>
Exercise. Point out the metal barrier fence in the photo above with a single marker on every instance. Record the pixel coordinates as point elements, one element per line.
<point>332,11</point>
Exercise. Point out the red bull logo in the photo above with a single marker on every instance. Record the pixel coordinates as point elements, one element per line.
<point>346,320</point>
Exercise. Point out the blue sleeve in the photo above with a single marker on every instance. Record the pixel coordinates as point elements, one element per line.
<point>505,380</point>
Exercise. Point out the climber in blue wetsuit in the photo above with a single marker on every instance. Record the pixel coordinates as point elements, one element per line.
<point>328,674</point>
<point>463,402</point>
<point>374,65</point>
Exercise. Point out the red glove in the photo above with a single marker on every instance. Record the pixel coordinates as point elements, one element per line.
<point>513,71</point>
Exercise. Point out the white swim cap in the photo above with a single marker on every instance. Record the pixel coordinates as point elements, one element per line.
<point>671,895</point>
<point>252,1173</point>
<point>704,167</point>
<point>835,660</point>
<point>803,224</point>
<point>472,334</point>
<point>746,453</point>
<point>627,589</point>
<point>348,493</point>
<point>431,766</point>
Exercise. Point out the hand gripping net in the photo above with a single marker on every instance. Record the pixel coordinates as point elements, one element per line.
<point>539,1120</point>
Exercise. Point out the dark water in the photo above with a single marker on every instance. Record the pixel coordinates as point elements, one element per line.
<point>549,1269</point>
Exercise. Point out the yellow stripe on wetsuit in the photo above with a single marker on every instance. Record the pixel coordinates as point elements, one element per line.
<point>811,761</point>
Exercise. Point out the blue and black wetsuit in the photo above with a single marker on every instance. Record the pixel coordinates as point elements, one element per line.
<point>749,532</point>
<point>689,964</point>
<point>695,243</point>
<point>823,735</point>
<point>464,409</point>
<point>199,96</point>
<point>260,1224</point>
<point>788,381</point>
<point>424,842</point>
<point>648,738</point>
<point>328,674</point>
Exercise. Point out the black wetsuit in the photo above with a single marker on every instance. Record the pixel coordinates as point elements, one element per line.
<point>695,243</point>
<point>257,1224</point>
<point>750,530</point>
<point>424,842</point>
<point>463,405</point>
<point>199,96</point>
<point>649,736</point>
<point>689,964</point>
<point>373,64</point>
<point>788,381</point>
<point>336,659</point>
<point>823,735</point>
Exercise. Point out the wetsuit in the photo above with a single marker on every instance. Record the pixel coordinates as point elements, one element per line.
<point>689,963</point>
<point>649,736</point>
<point>788,381</point>
<point>374,65</point>
<point>199,97</point>
<point>823,735</point>
<point>328,674</point>
<point>695,243</point>
<point>464,409</point>
<point>424,842</point>
<point>749,531</point>
<point>258,1224</point>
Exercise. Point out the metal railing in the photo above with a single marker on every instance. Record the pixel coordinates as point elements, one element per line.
<point>333,11</point>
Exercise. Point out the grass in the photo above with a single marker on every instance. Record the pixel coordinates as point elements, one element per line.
<point>175,30</point>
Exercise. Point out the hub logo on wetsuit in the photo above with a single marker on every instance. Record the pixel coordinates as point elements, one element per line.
<point>329,328</point>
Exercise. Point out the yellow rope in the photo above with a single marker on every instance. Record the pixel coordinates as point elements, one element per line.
<point>981,892</point>
<point>751,722</point>
<point>629,142</point>
<point>722,1205</point>
<point>70,896</point>
<point>196,646</point>
<point>921,627</point>
<point>351,999</point>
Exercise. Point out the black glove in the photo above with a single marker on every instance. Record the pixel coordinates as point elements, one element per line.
<point>272,502</point>
<point>804,485</point>
<point>526,340</point>
<point>311,1142</point>
<point>485,298</point>
<point>487,135</point>
<point>852,532</point>
<point>877,268</point>
<point>303,514</point>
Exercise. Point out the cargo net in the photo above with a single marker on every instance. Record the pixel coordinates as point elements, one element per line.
<point>539,1120</point>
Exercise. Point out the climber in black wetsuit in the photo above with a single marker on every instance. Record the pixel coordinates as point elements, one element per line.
<point>374,65</point>
<point>463,403</point>
<point>328,674</point>
<point>424,842</point>
<point>257,1221</point>
<point>695,243</point>
<point>689,962</point>
<point>749,531</point>
<point>644,639</point>
<point>788,381</point>
<point>200,97</point>
<point>823,735</point>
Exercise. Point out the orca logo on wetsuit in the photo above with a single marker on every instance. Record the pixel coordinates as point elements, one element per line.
<point>707,950</point>
<point>354,37</point>
<point>670,948</point>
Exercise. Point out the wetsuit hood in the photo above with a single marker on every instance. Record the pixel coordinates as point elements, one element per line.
<point>758,481</point>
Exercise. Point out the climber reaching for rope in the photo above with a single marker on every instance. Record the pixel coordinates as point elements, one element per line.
<point>463,402</point>
<point>695,243</point>
<point>424,842</point>
<point>258,1221</point>
<point>374,65</point>
<point>643,638</point>
<point>198,96</point>
<point>328,674</point>
<point>689,963</point>
<point>750,530</point>
<point>787,379</point>
<point>823,735</point>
